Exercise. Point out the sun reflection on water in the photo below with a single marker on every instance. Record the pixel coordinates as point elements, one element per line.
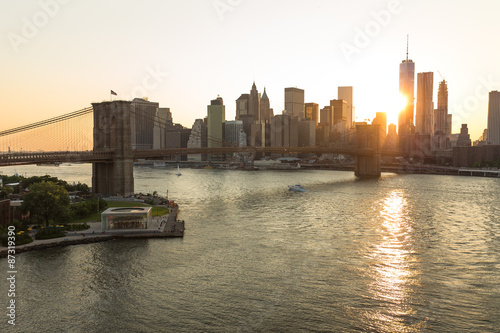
<point>392,269</point>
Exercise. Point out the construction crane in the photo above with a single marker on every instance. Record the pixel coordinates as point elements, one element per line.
<point>441,76</point>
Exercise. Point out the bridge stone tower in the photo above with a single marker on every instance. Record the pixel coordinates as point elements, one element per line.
<point>368,139</point>
<point>112,131</point>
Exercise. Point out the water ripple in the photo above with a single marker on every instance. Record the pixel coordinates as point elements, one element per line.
<point>400,254</point>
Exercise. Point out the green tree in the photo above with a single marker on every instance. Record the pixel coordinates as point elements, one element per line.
<point>46,201</point>
<point>82,188</point>
<point>5,192</point>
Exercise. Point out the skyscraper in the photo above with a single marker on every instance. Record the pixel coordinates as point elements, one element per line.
<point>254,103</point>
<point>242,107</point>
<point>216,117</point>
<point>424,119</point>
<point>326,116</point>
<point>198,139</point>
<point>464,137</point>
<point>407,89</point>
<point>311,112</point>
<point>307,133</point>
<point>243,112</point>
<point>143,122</point>
<point>442,120</point>
<point>443,95</point>
<point>339,111</point>
<point>163,120</point>
<point>494,118</point>
<point>346,94</point>
<point>381,120</point>
<point>266,113</point>
<point>232,132</point>
<point>284,131</point>
<point>441,113</point>
<point>294,102</point>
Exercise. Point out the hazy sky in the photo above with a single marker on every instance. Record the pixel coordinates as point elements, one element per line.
<point>59,56</point>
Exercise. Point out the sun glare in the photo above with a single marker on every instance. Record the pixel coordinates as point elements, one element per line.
<point>401,102</point>
<point>395,108</point>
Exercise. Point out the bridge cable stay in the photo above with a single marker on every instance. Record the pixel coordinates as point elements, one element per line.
<point>58,133</point>
<point>71,134</point>
<point>47,121</point>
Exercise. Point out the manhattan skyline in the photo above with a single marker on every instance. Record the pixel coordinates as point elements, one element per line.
<point>183,54</point>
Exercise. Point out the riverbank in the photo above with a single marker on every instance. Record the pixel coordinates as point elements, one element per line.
<point>166,226</point>
<point>413,169</point>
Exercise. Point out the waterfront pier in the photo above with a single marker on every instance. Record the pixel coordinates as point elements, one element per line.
<point>166,226</point>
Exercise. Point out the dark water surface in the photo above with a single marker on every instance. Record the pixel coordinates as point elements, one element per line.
<point>407,253</point>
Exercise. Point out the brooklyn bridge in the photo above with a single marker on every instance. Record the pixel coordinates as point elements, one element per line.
<point>102,135</point>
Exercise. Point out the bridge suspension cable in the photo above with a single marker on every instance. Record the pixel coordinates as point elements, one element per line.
<point>47,122</point>
<point>72,131</point>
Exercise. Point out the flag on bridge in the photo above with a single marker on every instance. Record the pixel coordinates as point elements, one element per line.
<point>113,93</point>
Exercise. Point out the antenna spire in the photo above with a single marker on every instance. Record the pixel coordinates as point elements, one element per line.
<point>407,46</point>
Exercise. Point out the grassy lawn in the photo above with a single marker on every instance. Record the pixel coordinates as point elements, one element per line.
<point>91,218</point>
<point>111,204</point>
<point>158,211</point>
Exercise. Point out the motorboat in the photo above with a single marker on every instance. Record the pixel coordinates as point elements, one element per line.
<point>297,188</point>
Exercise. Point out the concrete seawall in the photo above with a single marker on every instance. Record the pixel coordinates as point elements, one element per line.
<point>55,242</point>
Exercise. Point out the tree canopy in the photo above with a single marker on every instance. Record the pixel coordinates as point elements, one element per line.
<point>26,182</point>
<point>46,201</point>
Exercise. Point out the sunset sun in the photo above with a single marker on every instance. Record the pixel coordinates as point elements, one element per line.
<point>394,108</point>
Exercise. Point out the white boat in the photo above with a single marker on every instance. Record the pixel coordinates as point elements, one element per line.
<point>297,188</point>
<point>178,171</point>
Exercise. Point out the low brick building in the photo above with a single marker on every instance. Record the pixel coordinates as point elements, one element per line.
<point>468,156</point>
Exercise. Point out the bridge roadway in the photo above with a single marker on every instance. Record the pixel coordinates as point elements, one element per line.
<point>26,158</point>
<point>100,156</point>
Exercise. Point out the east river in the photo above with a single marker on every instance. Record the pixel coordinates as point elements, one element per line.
<point>405,253</point>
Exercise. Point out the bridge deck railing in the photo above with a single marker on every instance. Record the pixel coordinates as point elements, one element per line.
<point>90,156</point>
